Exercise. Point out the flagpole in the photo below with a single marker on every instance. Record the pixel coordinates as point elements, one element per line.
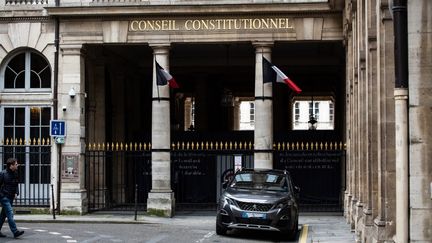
<point>262,75</point>
<point>156,72</point>
<point>158,92</point>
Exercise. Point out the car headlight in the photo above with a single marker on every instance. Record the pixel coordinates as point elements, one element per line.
<point>227,200</point>
<point>287,203</point>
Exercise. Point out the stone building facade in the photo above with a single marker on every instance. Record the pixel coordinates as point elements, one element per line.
<point>82,43</point>
<point>389,173</point>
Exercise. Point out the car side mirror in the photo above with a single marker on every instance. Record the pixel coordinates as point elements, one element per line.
<point>225,184</point>
<point>296,192</point>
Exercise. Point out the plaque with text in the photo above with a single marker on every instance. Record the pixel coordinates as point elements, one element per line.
<point>70,168</point>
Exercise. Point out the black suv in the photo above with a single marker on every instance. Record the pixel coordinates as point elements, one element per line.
<point>259,200</point>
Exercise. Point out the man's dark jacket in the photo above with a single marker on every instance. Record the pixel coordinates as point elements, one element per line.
<point>8,183</point>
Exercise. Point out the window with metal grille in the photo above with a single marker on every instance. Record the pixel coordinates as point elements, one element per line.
<point>28,125</point>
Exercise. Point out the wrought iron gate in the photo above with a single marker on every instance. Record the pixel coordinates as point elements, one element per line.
<point>34,157</point>
<point>317,168</point>
<point>117,176</point>
<point>198,171</point>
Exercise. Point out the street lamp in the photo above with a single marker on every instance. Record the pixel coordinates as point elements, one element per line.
<point>312,123</point>
<point>227,98</point>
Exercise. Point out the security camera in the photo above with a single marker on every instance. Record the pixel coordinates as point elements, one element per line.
<point>72,93</point>
<point>64,108</point>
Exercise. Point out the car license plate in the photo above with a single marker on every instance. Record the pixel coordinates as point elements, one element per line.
<point>253,215</point>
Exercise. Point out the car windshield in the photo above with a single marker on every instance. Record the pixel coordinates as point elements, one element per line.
<point>260,181</point>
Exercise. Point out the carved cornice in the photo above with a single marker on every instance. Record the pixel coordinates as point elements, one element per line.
<point>193,10</point>
<point>25,19</point>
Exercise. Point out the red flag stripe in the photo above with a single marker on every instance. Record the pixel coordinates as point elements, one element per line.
<point>293,86</point>
<point>167,77</point>
<point>282,78</point>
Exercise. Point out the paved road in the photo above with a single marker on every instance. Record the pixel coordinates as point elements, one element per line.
<point>182,228</point>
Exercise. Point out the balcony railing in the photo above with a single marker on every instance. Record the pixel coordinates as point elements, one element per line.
<point>26,2</point>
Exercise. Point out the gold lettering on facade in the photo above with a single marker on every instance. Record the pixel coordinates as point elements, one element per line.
<point>152,25</point>
<point>210,24</point>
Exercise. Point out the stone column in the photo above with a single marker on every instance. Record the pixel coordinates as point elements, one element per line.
<point>384,227</point>
<point>187,113</point>
<point>263,135</point>
<point>420,116</point>
<point>401,102</point>
<point>374,137</point>
<point>354,157</point>
<point>73,195</point>
<point>161,198</point>
<point>349,96</point>
<point>236,114</point>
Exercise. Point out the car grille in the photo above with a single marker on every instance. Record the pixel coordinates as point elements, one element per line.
<point>253,221</point>
<point>258,207</point>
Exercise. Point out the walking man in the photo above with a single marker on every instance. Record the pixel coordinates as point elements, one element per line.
<point>8,192</point>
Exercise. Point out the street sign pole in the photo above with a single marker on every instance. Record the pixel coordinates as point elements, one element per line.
<point>58,133</point>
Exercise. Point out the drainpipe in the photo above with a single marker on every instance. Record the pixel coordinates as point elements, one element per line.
<point>55,101</point>
<point>400,22</point>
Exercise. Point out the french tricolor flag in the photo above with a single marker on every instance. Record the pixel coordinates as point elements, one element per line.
<point>163,77</point>
<point>273,74</point>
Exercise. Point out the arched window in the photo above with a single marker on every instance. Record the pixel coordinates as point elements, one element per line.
<point>27,70</point>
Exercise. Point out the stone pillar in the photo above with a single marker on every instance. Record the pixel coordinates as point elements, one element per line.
<point>73,196</point>
<point>359,119</point>
<point>374,137</point>
<point>420,116</point>
<point>263,135</point>
<point>161,198</point>
<point>383,223</point>
<point>188,113</point>
<point>349,102</point>
<point>236,115</point>
<point>354,157</point>
<point>362,98</point>
<point>401,102</point>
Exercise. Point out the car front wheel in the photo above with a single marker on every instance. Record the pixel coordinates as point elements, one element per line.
<point>220,230</point>
<point>292,234</point>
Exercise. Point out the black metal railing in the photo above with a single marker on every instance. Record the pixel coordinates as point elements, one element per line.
<point>117,176</point>
<point>317,168</point>
<point>198,169</point>
<point>26,2</point>
<point>34,158</point>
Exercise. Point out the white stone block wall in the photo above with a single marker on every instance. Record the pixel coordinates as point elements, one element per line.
<point>420,131</point>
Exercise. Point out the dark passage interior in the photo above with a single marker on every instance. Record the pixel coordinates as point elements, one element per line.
<point>212,76</point>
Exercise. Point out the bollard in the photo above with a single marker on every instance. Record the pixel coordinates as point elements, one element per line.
<point>52,199</point>
<point>136,201</point>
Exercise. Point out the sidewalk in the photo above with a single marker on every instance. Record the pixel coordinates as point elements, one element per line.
<point>323,228</point>
<point>89,218</point>
<point>119,218</point>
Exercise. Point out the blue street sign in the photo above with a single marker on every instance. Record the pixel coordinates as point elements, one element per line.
<point>58,128</point>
